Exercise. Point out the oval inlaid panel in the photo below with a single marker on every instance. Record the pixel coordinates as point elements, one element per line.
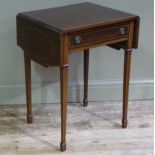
<point>37,44</point>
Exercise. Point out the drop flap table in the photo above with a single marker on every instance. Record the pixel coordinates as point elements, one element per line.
<point>48,36</point>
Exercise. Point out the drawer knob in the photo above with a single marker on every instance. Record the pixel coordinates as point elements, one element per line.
<point>78,39</point>
<point>122,30</point>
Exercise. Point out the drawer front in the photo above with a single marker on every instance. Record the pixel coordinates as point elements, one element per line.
<point>99,35</point>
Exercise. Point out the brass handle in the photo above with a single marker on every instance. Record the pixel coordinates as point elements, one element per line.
<point>78,39</point>
<point>122,30</point>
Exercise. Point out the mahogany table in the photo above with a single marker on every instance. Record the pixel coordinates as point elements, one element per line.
<point>48,37</point>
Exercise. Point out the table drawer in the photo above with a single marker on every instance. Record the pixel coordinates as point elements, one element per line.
<point>98,35</point>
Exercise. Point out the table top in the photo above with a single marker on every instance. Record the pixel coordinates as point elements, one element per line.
<point>77,16</point>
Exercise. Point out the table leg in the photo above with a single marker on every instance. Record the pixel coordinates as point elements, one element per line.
<point>86,70</point>
<point>127,62</point>
<point>63,83</point>
<point>28,87</point>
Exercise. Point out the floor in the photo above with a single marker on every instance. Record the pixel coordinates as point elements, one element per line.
<point>95,130</point>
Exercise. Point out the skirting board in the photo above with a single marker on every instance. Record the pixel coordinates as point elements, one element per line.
<point>108,90</point>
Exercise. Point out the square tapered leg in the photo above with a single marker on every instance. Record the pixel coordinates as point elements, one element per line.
<point>86,70</point>
<point>28,87</point>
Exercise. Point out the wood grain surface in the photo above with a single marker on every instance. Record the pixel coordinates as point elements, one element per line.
<point>74,17</point>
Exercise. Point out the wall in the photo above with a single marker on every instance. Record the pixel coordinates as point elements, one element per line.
<point>106,65</point>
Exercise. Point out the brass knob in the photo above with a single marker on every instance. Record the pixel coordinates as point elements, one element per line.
<point>122,30</point>
<point>78,39</point>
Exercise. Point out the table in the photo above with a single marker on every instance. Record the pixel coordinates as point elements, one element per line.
<point>48,36</point>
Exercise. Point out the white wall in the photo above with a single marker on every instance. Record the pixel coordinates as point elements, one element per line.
<point>106,65</point>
